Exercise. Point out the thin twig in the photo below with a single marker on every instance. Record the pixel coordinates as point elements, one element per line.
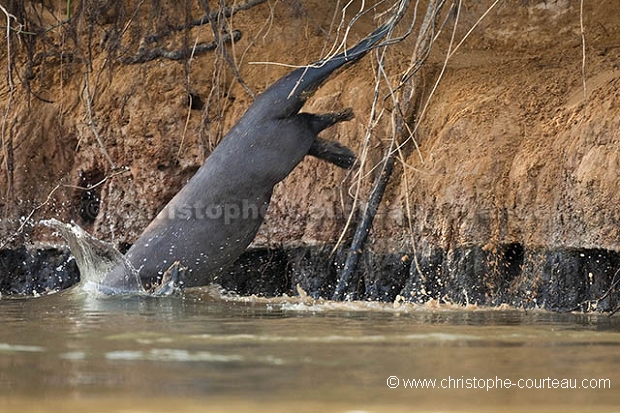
<point>473,27</point>
<point>7,145</point>
<point>437,81</point>
<point>347,280</point>
<point>449,55</point>
<point>614,284</point>
<point>190,100</point>
<point>27,219</point>
<point>363,229</point>
<point>91,120</point>
<point>583,60</point>
<point>398,12</point>
<point>401,112</point>
<point>219,41</point>
<point>101,182</point>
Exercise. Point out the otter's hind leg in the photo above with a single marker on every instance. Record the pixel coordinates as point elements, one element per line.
<point>333,152</point>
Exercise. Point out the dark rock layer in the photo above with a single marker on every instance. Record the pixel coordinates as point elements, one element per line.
<point>558,280</point>
<point>36,272</point>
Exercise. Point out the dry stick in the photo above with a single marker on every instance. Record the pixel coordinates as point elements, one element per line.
<point>613,284</point>
<point>7,148</point>
<point>424,43</point>
<point>220,45</point>
<point>398,12</point>
<point>362,231</point>
<point>401,8</point>
<point>374,119</point>
<point>132,18</point>
<point>443,69</point>
<point>426,38</point>
<point>207,18</point>
<point>373,122</point>
<point>145,55</point>
<point>416,263</point>
<point>190,100</point>
<point>92,123</point>
<point>27,219</point>
<point>345,288</point>
<point>346,278</point>
<point>583,60</point>
<point>421,34</point>
<point>355,250</point>
<point>451,51</point>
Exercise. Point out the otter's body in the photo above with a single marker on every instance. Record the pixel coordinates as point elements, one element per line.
<point>216,215</point>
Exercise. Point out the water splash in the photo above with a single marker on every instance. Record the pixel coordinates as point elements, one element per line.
<point>103,269</point>
<point>96,260</point>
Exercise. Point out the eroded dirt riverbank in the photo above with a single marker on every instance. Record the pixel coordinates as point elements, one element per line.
<point>509,194</point>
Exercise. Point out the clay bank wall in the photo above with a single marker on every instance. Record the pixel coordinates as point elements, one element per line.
<point>507,192</point>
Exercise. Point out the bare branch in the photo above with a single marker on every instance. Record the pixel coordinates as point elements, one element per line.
<point>144,55</point>
<point>220,42</point>
<point>91,120</point>
<point>208,17</point>
<point>7,143</point>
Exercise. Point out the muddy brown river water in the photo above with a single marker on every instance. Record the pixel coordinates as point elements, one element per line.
<point>204,352</point>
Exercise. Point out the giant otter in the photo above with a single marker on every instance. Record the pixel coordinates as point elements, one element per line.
<point>216,215</point>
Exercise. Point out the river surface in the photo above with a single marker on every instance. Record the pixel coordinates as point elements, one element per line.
<point>204,352</point>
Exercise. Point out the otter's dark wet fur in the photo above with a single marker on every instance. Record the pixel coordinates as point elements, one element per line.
<point>216,215</point>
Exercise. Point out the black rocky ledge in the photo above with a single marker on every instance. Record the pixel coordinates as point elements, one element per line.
<point>559,280</point>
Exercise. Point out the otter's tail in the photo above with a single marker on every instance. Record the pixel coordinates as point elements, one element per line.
<point>294,89</point>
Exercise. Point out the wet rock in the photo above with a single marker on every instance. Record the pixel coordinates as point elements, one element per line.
<point>425,280</point>
<point>557,280</point>
<point>572,279</point>
<point>384,275</point>
<point>314,270</point>
<point>260,272</point>
<point>36,272</point>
